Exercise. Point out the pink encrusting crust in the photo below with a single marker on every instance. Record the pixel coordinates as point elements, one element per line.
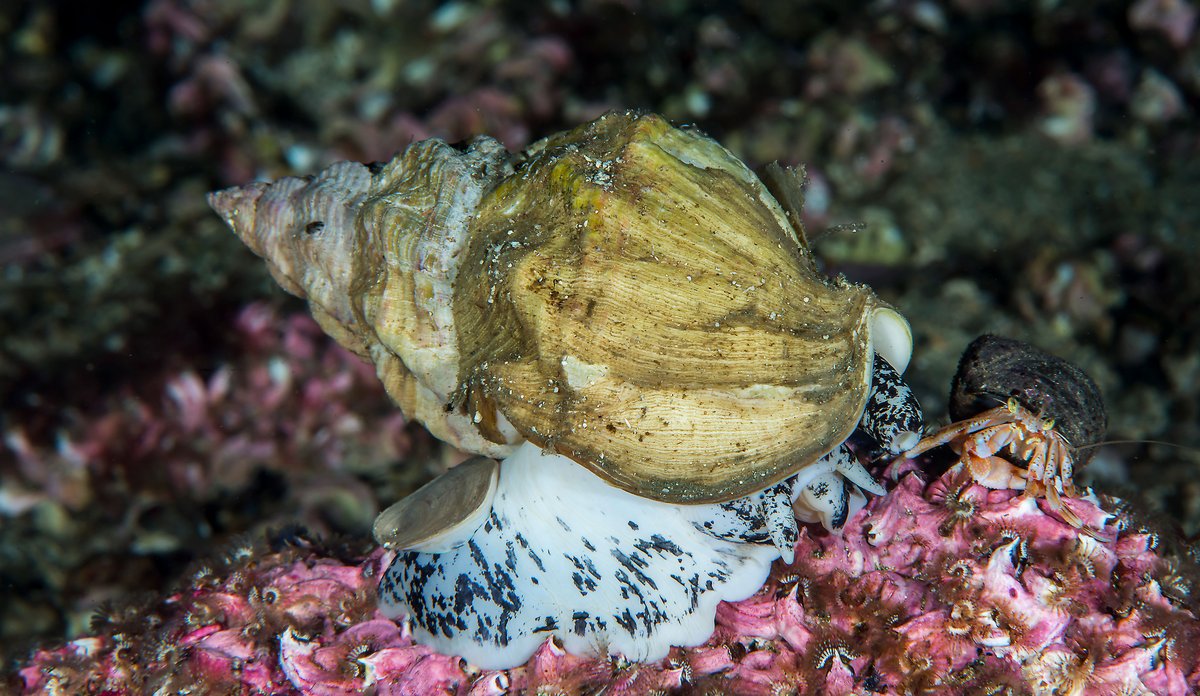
<point>934,588</point>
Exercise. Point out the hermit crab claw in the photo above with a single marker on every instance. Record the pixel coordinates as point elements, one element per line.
<point>444,513</point>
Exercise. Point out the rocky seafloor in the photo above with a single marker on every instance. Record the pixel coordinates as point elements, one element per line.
<point>938,587</point>
<point>1026,169</point>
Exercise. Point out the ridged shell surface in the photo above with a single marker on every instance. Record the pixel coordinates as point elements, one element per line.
<point>375,250</point>
<point>629,295</point>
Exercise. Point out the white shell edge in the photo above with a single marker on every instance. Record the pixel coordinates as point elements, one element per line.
<point>891,337</point>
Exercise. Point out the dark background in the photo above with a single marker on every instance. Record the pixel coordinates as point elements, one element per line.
<point>1028,169</point>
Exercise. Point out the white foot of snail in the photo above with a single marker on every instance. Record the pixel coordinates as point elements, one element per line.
<point>565,553</point>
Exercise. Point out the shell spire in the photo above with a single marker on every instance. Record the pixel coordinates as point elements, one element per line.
<point>373,250</point>
<point>630,296</point>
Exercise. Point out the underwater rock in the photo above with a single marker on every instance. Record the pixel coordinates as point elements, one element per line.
<point>942,586</point>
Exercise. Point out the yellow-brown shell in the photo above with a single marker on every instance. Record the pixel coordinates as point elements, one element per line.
<point>630,296</point>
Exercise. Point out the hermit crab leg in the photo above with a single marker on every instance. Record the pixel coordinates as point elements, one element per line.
<point>991,441</point>
<point>994,472</point>
<point>1066,463</point>
<point>987,419</point>
<point>1056,504</point>
<point>1035,454</point>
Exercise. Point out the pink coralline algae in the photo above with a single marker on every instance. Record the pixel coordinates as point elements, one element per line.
<point>206,436</point>
<point>943,587</point>
<point>141,479</point>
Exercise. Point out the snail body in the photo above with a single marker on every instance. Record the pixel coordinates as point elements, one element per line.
<point>623,312</point>
<point>562,552</point>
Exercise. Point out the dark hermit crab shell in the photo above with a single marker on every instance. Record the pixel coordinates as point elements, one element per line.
<point>994,369</point>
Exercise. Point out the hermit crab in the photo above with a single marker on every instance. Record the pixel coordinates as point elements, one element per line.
<point>1022,419</point>
<point>628,319</point>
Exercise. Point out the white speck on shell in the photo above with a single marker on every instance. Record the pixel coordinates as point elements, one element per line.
<point>580,374</point>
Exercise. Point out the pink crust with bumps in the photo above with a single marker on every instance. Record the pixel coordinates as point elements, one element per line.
<point>939,588</point>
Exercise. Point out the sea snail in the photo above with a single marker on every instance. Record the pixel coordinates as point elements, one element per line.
<point>628,319</point>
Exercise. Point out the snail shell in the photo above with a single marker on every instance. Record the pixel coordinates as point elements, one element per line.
<point>375,252</point>
<point>993,368</point>
<point>626,294</point>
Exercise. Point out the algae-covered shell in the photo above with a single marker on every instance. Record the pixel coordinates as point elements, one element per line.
<point>627,294</point>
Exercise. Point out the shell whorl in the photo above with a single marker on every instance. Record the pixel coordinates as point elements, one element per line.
<point>375,251</point>
<point>630,296</point>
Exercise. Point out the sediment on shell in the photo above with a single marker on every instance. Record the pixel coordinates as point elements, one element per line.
<point>620,298</point>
